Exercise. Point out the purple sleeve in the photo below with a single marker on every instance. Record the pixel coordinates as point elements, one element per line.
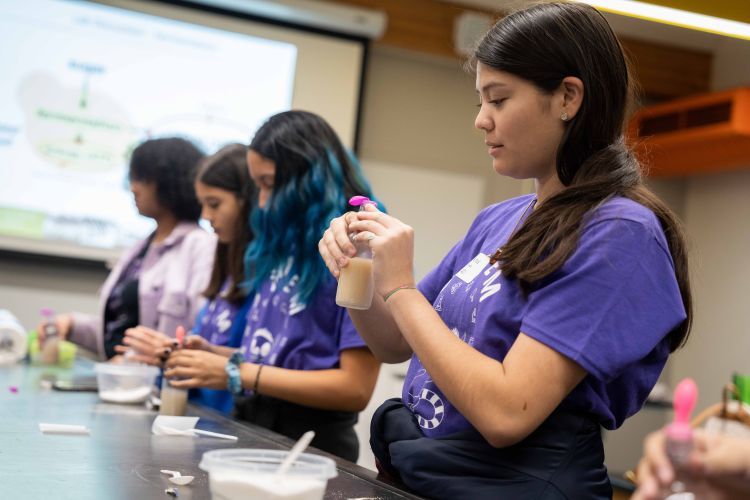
<point>435,280</point>
<point>349,337</point>
<point>612,302</point>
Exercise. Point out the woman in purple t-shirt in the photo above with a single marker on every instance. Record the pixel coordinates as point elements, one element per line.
<point>301,365</point>
<point>556,312</point>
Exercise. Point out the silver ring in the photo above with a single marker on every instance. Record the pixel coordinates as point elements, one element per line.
<point>370,237</point>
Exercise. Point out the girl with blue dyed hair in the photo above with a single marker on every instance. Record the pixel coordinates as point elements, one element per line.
<point>301,365</point>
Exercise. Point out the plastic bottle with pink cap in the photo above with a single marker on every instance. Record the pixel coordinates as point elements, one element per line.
<point>356,283</point>
<point>174,400</point>
<point>680,442</point>
<point>51,346</point>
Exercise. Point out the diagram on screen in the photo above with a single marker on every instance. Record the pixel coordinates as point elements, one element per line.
<point>86,83</point>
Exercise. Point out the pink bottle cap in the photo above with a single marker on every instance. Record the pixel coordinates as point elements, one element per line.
<point>685,396</point>
<point>46,312</point>
<point>357,201</point>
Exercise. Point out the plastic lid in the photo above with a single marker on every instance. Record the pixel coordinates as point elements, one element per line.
<point>126,369</point>
<point>357,201</point>
<point>257,461</point>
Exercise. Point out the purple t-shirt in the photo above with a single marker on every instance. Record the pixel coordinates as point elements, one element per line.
<point>216,321</point>
<point>609,308</point>
<point>281,331</point>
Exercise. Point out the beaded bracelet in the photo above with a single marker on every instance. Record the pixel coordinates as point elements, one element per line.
<point>402,287</point>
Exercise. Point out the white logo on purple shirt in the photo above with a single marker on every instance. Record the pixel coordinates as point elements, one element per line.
<point>261,344</point>
<point>427,398</point>
<point>223,321</point>
<point>489,287</point>
<point>439,303</point>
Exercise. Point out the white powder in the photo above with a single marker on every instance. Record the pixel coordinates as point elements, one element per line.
<point>137,395</point>
<point>235,485</point>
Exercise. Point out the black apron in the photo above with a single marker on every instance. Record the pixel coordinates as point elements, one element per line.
<point>334,430</point>
<point>562,459</point>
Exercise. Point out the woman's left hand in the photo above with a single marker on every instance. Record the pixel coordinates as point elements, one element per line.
<point>194,368</point>
<point>392,245</point>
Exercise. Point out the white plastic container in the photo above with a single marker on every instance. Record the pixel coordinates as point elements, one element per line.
<point>236,474</point>
<point>13,340</point>
<point>125,383</point>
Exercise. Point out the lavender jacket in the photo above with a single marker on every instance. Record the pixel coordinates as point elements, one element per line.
<point>173,276</point>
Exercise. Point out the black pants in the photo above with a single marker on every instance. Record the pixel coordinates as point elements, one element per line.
<point>562,459</point>
<point>334,430</point>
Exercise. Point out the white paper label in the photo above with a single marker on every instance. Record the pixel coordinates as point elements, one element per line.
<point>473,268</point>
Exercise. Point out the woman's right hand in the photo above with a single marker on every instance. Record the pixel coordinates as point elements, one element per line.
<point>335,246</point>
<point>63,323</point>
<point>146,345</point>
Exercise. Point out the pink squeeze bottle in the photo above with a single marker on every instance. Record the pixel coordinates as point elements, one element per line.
<point>680,440</point>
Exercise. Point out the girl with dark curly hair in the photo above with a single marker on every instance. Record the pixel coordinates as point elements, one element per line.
<point>157,283</point>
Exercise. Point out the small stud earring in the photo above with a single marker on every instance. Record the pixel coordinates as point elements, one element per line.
<point>564,116</point>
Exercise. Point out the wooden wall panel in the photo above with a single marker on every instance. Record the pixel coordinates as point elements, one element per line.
<point>427,26</point>
<point>421,25</point>
<point>669,72</point>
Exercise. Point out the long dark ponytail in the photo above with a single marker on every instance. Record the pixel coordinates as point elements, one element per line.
<point>543,44</point>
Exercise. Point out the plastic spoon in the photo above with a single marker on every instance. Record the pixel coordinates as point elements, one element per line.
<point>193,432</point>
<point>295,452</point>
<point>178,478</point>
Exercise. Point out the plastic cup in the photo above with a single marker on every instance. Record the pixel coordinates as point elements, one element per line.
<point>125,384</point>
<point>13,338</point>
<point>236,474</point>
<point>173,400</point>
<point>356,284</point>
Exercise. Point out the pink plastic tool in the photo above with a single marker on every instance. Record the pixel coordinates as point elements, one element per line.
<point>685,396</point>
<point>679,443</point>
<point>357,201</point>
<point>180,334</point>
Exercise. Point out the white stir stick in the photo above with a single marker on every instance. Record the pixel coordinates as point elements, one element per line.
<point>295,452</point>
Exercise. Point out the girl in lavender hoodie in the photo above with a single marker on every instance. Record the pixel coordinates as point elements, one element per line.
<point>157,283</point>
